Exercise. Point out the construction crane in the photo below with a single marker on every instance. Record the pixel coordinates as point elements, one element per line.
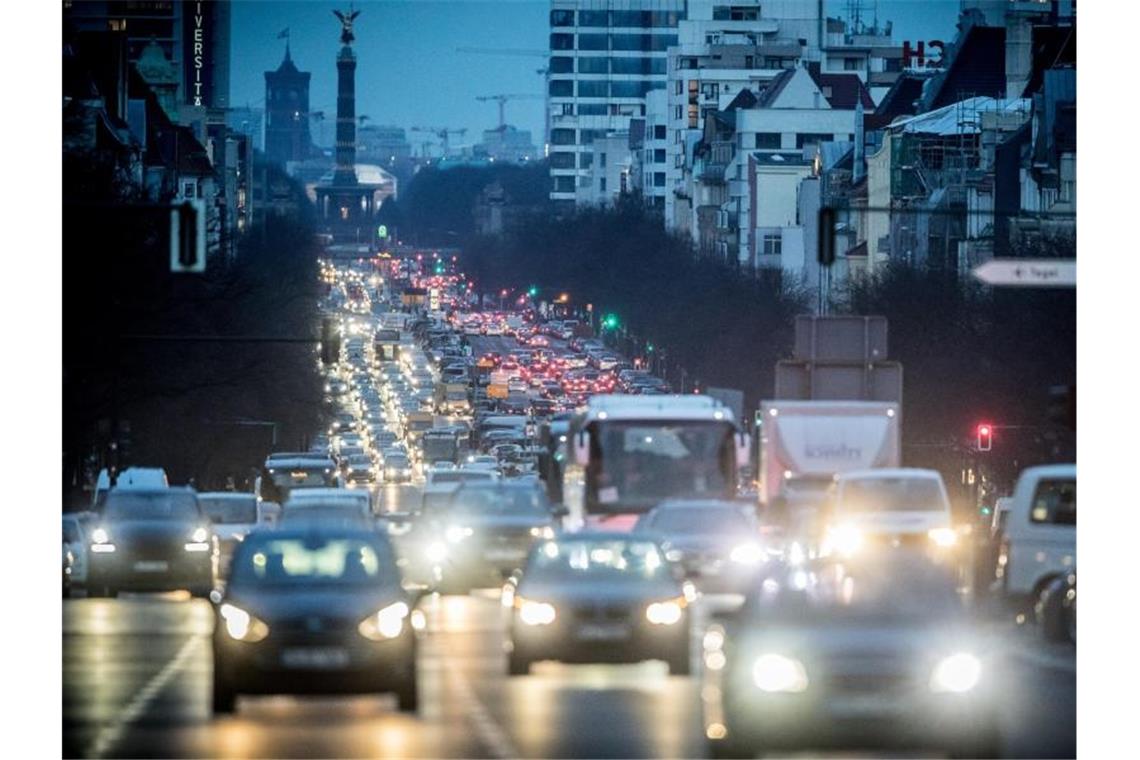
<point>443,133</point>
<point>502,99</point>
<point>543,72</point>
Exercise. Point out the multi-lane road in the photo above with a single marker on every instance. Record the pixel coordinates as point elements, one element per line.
<point>137,672</point>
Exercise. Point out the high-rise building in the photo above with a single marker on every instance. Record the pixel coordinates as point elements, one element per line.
<point>287,136</point>
<point>194,36</point>
<point>604,57</point>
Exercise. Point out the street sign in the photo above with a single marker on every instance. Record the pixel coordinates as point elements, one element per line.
<point>1028,273</point>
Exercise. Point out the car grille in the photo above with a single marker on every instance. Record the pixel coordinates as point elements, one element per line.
<point>602,612</point>
<point>151,548</point>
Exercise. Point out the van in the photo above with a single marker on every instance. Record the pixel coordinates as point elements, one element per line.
<point>1040,539</point>
<point>889,505</point>
<point>133,477</point>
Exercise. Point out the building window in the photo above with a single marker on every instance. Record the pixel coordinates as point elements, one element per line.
<point>659,156</point>
<point>561,88</point>
<point>586,160</point>
<point>561,42</point>
<point>678,112</point>
<point>587,136</point>
<point>561,65</point>
<point>602,160</point>
<point>561,160</point>
<point>188,189</point>
<point>594,65</point>
<point>749,61</point>
<point>630,89</point>
<point>659,132</point>
<point>593,18</point>
<point>593,109</point>
<point>564,184</point>
<point>810,138</point>
<point>767,141</point>
<point>562,18</point>
<point>659,179</point>
<point>567,109</point>
<point>642,66</point>
<point>344,212</point>
<point>679,87</point>
<point>693,117</point>
<point>561,137</point>
<point>773,244</point>
<point>588,89</point>
<point>593,42</point>
<point>602,180</point>
<point>852,64</point>
<point>710,90</point>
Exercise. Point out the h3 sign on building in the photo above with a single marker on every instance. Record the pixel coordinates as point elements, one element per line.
<point>1028,273</point>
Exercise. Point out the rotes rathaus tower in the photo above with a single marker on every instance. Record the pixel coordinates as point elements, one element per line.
<point>346,104</point>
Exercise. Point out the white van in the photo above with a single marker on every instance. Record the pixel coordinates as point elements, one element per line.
<point>147,478</point>
<point>1040,541</point>
<point>894,504</point>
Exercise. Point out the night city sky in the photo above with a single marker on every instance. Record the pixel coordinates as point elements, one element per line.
<point>409,73</point>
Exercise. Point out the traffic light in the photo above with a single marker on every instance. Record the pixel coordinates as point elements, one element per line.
<point>610,322</point>
<point>985,436</point>
<point>533,291</point>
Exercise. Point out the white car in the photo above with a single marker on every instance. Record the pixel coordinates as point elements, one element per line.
<point>896,506</point>
<point>309,497</point>
<point>1040,537</point>
<point>233,515</point>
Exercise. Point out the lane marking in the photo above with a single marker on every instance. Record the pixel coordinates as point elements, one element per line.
<point>110,734</point>
<point>490,733</point>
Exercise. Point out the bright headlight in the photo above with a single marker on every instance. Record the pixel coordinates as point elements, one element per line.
<point>199,535</point>
<point>845,539</point>
<point>544,531</point>
<point>242,626</point>
<point>665,613</point>
<point>388,623</point>
<point>776,673</point>
<point>535,613</point>
<point>456,533</point>
<point>943,537</point>
<point>747,554</point>
<point>436,551</point>
<point>956,674</point>
<point>99,536</point>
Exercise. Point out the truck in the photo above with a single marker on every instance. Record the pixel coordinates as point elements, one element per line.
<point>417,424</point>
<point>386,343</point>
<point>625,454</point>
<point>805,444</point>
<point>451,398</point>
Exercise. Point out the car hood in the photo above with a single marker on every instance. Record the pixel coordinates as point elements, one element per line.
<point>707,542</point>
<point>149,530</point>
<point>501,522</point>
<point>899,521</point>
<point>290,603</point>
<point>602,593</point>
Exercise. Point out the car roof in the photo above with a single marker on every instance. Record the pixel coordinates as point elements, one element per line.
<point>890,472</point>
<point>226,496</point>
<point>302,462</point>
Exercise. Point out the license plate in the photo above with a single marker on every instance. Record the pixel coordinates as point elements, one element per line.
<point>614,632</point>
<point>315,658</point>
<point>494,554</point>
<point>152,567</point>
<point>862,705</point>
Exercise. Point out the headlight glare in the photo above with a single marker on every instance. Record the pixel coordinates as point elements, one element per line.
<point>436,551</point>
<point>199,535</point>
<point>776,673</point>
<point>544,531</point>
<point>240,625</point>
<point>956,674</point>
<point>747,554</point>
<point>456,533</point>
<point>388,623</point>
<point>99,536</point>
<point>665,613</point>
<point>943,537</point>
<point>845,539</point>
<point>535,613</point>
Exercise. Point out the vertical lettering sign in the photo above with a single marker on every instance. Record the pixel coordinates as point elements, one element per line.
<point>198,36</point>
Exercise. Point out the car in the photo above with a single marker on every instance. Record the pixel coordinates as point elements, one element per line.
<point>314,610</point>
<point>68,564</point>
<point>358,499</point>
<point>718,543</point>
<point>359,469</point>
<point>1040,541</point>
<point>397,466</point>
<point>880,655</point>
<point>1056,609</point>
<point>482,531</point>
<point>333,513</point>
<point>599,597</point>
<point>233,515</point>
<point>152,540</point>
<point>75,532</point>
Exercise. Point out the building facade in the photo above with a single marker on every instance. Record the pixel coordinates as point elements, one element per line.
<point>287,135</point>
<point>605,56</point>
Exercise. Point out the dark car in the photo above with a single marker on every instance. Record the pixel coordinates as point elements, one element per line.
<point>878,655</point>
<point>483,532</point>
<point>1056,609</point>
<point>600,597</point>
<point>152,540</point>
<point>314,609</point>
<point>716,542</point>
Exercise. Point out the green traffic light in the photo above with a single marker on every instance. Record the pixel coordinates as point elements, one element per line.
<point>649,347</point>
<point>610,321</point>
<point>533,291</point>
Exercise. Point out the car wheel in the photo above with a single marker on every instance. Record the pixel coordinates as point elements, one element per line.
<point>1050,615</point>
<point>517,665</point>
<point>407,695</point>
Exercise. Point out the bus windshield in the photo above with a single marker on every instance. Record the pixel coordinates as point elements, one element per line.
<point>638,464</point>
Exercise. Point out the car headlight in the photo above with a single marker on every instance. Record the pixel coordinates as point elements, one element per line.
<point>776,673</point>
<point>100,536</point>
<point>436,551</point>
<point>665,613</point>
<point>845,539</point>
<point>747,554</point>
<point>456,533</point>
<point>535,613</point>
<point>943,537</point>
<point>388,623</point>
<point>199,535</point>
<point>241,626</point>
<point>956,674</point>
<point>544,531</point>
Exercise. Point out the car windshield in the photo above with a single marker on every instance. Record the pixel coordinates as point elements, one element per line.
<point>1055,501</point>
<point>689,520</point>
<point>597,560</point>
<point>647,463</point>
<point>173,505</point>
<point>303,477</point>
<point>325,513</point>
<point>506,501</point>
<point>891,495</point>
<point>341,561</point>
<point>230,509</point>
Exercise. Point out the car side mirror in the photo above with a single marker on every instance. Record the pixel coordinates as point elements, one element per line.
<point>582,448</point>
<point>743,443</point>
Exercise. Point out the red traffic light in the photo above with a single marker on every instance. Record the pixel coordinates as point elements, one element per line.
<point>985,436</point>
